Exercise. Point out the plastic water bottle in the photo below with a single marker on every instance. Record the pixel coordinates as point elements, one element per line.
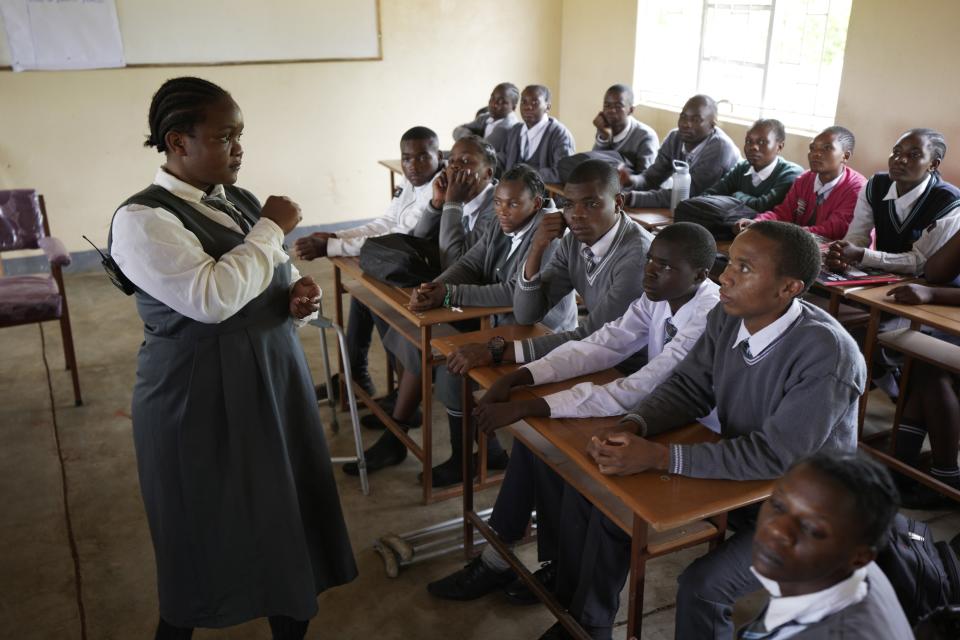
<point>681,184</point>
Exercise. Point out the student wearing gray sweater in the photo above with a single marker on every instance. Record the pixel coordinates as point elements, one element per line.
<point>814,549</point>
<point>495,120</point>
<point>619,132</point>
<point>540,141</point>
<point>697,141</point>
<point>785,378</point>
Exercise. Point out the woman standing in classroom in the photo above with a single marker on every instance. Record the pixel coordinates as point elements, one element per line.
<point>234,468</point>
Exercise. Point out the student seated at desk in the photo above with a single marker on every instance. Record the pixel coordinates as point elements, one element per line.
<point>620,133</point>
<point>911,209</point>
<point>666,321</point>
<point>932,407</point>
<point>420,159</point>
<point>483,277</point>
<point>785,378</point>
<point>697,141</point>
<point>540,140</point>
<point>814,549</point>
<point>763,179</point>
<point>823,198</point>
<point>495,121</point>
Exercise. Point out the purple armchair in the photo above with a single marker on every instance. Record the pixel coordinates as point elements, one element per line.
<point>34,298</point>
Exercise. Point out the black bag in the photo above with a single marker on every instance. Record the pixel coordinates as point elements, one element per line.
<point>566,165</point>
<point>925,575</point>
<point>717,213</point>
<point>400,259</point>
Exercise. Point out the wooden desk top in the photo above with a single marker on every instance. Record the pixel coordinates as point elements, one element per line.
<point>941,317</point>
<point>650,219</point>
<point>448,344</point>
<point>398,298</point>
<point>393,165</point>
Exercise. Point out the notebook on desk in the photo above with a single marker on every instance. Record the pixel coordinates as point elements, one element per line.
<point>855,276</point>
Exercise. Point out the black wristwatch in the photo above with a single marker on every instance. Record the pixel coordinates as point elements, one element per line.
<point>496,346</point>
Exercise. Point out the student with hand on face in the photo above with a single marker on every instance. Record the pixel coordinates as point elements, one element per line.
<point>618,131</point>
<point>495,120</point>
<point>234,468</point>
<point>697,141</point>
<point>541,140</point>
<point>823,198</point>
<point>814,548</point>
<point>420,160</point>
<point>786,380</point>
<point>912,210</point>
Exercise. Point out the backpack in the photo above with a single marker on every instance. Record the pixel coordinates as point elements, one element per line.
<point>925,574</point>
<point>716,213</point>
<point>400,259</point>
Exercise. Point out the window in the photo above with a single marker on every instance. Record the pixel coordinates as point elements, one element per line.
<point>762,58</point>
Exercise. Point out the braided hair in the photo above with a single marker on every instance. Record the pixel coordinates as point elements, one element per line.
<point>179,105</point>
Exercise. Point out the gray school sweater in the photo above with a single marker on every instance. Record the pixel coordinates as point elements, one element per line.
<point>486,277</point>
<point>638,149</point>
<point>556,144</point>
<point>606,293</point>
<point>718,155</point>
<point>447,227</point>
<point>798,396</point>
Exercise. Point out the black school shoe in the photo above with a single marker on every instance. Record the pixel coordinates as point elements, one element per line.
<point>385,452</point>
<point>371,421</point>
<point>518,593</point>
<point>474,581</point>
<point>450,472</point>
<point>363,379</point>
<point>923,498</point>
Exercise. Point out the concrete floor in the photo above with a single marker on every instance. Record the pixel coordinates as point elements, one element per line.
<point>110,589</point>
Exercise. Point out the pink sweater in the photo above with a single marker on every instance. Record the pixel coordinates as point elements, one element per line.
<point>834,214</point>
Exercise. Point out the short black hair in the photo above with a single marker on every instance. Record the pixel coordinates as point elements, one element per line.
<point>542,89</point>
<point>934,138</point>
<point>844,136</point>
<point>875,496</point>
<point>528,176</point>
<point>513,94</point>
<point>623,90</point>
<point>699,247</point>
<point>774,125</point>
<point>179,105</point>
<point>420,133</point>
<point>709,102</point>
<point>799,253</point>
<point>595,170</point>
<point>486,150</point>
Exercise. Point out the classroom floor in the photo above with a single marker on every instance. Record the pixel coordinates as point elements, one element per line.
<point>92,559</point>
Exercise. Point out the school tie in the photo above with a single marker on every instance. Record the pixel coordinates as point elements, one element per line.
<point>669,331</point>
<point>756,630</point>
<point>227,207</point>
<point>525,146</point>
<point>465,221</point>
<point>745,349</point>
<point>590,259</point>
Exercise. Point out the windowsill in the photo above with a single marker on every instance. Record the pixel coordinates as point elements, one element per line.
<point>722,118</point>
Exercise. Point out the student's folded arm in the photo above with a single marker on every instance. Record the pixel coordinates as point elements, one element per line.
<point>533,298</point>
<point>809,416</point>
<point>562,148</point>
<point>157,253</point>
<point>654,199</point>
<point>647,151</point>
<point>858,233</point>
<point>453,240</point>
<point>913,261</point>
<point>469,268</point>
<point>944,265</point>
<point>429,224</point>
<point>656,174</point>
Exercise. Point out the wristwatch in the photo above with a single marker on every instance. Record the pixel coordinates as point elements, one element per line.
<point>496,346</point>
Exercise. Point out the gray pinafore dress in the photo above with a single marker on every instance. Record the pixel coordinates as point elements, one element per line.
<point>234,468</point>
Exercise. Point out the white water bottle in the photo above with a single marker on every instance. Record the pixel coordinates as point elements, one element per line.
<point>681,184</point>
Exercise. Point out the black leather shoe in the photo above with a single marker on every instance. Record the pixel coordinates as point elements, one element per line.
<point>385,452</point>
<point>363,379</point>
<point>518,593</point>
<point>473,581</point>
<point>450,472</point>
<point>371,421</point>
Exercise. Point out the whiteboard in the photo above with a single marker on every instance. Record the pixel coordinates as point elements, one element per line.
<point>187,32</point>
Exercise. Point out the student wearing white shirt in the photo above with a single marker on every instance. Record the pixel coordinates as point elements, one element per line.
<point>495,121</point>
<point>420,159</point>
<point>911,208</point>
<point>813,550</point>
<point>234,469</point>
<point>540,141</point>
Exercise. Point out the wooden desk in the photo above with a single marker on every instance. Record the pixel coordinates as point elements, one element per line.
<point>944,318</point>
<point>390,303</point>
<point>681,512</point>
<point>651,219</point>
<point>396,169</point>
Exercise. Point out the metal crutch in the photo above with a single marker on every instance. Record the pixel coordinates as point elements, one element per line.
<point>323,323</point>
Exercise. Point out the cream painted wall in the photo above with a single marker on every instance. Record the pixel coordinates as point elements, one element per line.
<point>313,131</point>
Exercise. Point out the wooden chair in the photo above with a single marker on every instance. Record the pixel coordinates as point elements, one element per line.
<point>27,299</point>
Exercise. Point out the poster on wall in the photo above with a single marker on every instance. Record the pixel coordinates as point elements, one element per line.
<point>62,34</point>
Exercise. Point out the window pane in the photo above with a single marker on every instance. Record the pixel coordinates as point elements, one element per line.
<point>736,33</point>
<point>668,46</point>
<point>739,84</point>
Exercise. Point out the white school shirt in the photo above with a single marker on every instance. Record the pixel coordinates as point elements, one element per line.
<point>643,325</point>
<point>756,177</point>
<point>531,137</point>
<point>600,248</point>
<point>811,607</point>
<point>491,125</point>
<point>765,337</point>
<point>824,190</point>
<point>471,210</point>
<point>159,255</point>
<point>516,237</point>
<point>402,215</point>
<point>930,240</point>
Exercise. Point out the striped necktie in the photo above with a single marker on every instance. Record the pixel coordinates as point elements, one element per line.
<point>227,207</point>
<point>669,331</point>
<point>525,145</point>
<point>590,259</point>
<point>745,349</point>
